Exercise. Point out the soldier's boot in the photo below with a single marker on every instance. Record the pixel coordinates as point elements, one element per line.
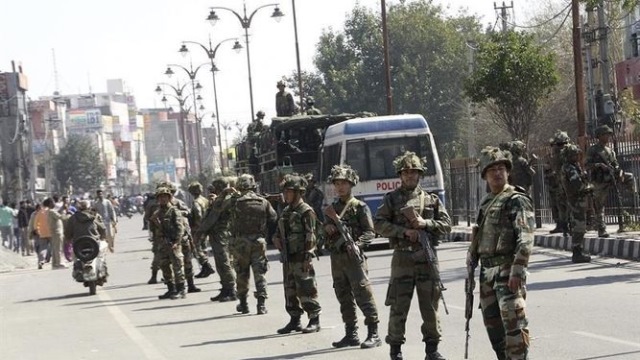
<point>578,257</point>
<point>559,227</point>
<point>293,325</point>
<point>180,293</point>
<point>396,352</point>
<point>242,307</point>
<point>154,277</point>
<point>191,287</point>
<point>431,351</point>
<point>205,271</point>
<point>261,307</point>
<point>171,291</point>
<point>229,296</point>
<point>350,337</point>
<point>372,340</point>
<point>222,293</point>
<point>602,232</point>
<point>313,325</point>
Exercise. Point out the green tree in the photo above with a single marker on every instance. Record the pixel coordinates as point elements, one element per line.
<point>78,164</point>
<point>312,85</point>
<point>512,76</point>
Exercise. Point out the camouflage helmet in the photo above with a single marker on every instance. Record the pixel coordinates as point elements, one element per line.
<point>195,187</point>
<point>560,138</point>
<point>163,191</point>
<point>492,155</point>
<point>517,147</point>
<point>260,114</point>
<point>310,100</point>
<point>343,172</point>
<point>246,182</point>
<point>294,182</point>
<point>569,151</point>
<point>603,130</point>
<point>168,185</point>
<point>281,83</point>
<point>408,161</point>
<point>219,184</point>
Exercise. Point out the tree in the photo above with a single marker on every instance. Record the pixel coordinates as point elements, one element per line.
<point>78,164</point>
<point>313,86</point>
<point>512,76</point>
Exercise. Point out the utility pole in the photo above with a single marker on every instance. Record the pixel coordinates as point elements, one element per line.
<point>471,140</point>
<point>578,72</point>
<point>387,65</point>
<point>503,14</point>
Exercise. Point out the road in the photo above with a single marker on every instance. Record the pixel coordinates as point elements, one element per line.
<point>585,311</point>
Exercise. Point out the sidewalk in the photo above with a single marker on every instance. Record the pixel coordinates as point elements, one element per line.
<point>618,245</point>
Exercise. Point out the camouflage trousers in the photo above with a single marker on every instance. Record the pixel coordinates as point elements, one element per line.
<point>504,313</point>
<point>171,262</point>
<point>352,286</point>
<point>407,275</point>
<point>578,214</point>
<point>558,201</point>
<point>198,250</point>
<point>222,258</point>
<point>187,255</point>
<point>250,254</point>
<point>154,250</point>
<point>300,289</point>
<point>600,195</point>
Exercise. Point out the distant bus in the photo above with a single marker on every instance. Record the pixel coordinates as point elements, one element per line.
<point>370,145</point>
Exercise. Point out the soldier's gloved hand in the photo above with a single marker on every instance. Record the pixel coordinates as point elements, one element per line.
<point>412,234</point>
<point>277,242</point>
<point>514,284</point>
<point>419,223</point>
<point>350,250</point>
<point>330,229</point>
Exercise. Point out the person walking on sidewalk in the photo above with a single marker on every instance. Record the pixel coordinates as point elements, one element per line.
<point>349,268</point>
<point>502,244</point>
<point>105,208</point>
<point>408,271</point>
<point>55,220</point>
<point>6,224</point>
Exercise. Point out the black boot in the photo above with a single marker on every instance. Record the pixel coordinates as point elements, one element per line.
<point>559,227</point>
<point>154,277</point>
<point>313,325</point>
<point>171,291</point>
<point>242,307</point>
<point>373,340</point>
<point>191,287</point>
<point>578,257</point>
<point>350,337</point>
<point>293,325</point>
<point>180,293</point>
<point>395,353</point>
<point>261,308</point>
<point>431,350</point>
<point>205,271</point>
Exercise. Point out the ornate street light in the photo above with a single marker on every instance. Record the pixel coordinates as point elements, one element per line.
<point>178,96</point>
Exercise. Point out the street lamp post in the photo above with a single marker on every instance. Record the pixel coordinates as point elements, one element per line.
<point>183,130</point>
<point>211,54</point>
<point>245,21</point>
<point>192,73</point>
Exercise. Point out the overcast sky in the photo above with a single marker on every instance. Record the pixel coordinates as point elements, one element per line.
<point>135,39</point>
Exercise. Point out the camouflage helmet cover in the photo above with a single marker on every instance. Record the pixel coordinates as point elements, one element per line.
<point>168,185</point>
<point>560,138</point>
<point>220,183</point>
<point>281,83</point>
<point>490,156</point>
<point>570,151</point>
<point>294,182</point>
<point>517,147</point>
<point>310,100</point>
<point>343,172</point>
<point>246,182</point>
<point>260,113</point>
<point>603,130</point>
<point>408,161</point>
<point>195,187</point>
<point>163,191</point>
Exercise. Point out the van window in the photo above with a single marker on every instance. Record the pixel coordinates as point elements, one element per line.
<point>357,157</point>
<point>330,157</point>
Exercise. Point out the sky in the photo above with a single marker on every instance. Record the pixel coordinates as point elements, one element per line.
<point>134,40</point>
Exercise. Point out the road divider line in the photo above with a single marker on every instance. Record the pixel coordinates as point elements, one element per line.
<point>607,338</point>
<point>149,350</point>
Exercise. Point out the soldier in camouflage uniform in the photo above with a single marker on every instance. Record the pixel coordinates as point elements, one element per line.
<point>578,189</point>
<point>603,166</point>
<point>285,105</point>
<point>198,210</point>
<point>296,239</point>
<point>167,227</point>
<point>151,206</point>
<point>556,188</point>
<point>251,214</point>
<point>350,276</point>
<point>216,224</point>
<point>310,108</point>
<point>502,245</point>
<point>407,272</point>
<point>522,172</point>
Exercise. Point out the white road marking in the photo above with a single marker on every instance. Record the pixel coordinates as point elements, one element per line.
<point>607,338</point>
<point>150,351</point>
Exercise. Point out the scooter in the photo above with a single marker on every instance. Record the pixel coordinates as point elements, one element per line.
<point>90,265</point>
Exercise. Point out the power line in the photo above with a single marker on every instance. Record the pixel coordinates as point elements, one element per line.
<point>540,24</point>
<point>555,33</point>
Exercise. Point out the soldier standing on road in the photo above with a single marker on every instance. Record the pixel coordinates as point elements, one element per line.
<point>285,106</point>
<point>296,239</point>
<point>578,188</point>
<point>251,214</point>
<point>522,172</point>
<point>198,209</point>
<point>408,273</point>
<point>350,276</point>
<point>149,208</point>
<point>603,165</point>
<point>503,245</point>
<point>216,224</point>
<point>167,227</point>
<point>557,192</point>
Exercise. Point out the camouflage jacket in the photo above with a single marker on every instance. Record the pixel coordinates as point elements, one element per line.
<point>575,181</point>
<point>390,222</point>
<point>556,165</point>
<point>198,210</point>
<point>357,218</point>
<point>296,227</point>
<point>521,173</point>
<point>600,154</point>
<point>251,214</point>
<point>506,228</point>
<point>217,220</point>
<point>167,224</point>
<point>285,106</point>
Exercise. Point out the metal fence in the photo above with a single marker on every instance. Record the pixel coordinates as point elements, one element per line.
<point>465,187</point>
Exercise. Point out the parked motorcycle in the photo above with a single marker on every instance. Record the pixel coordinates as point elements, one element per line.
<point>90,265</point>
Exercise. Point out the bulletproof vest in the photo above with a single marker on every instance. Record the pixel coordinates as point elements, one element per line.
<point>574,187</point>
<point>201,203</point>
<point>423,203</point>
<point>350,218</point>
<point>250,215</point>
<point>497,235</point>
<point>294,228</point>
<point>602,154</point>
<point>163,227</point>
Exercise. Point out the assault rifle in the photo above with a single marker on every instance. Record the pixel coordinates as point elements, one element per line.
<point>356,253</point>
<point>614,177</point>
<point>469,286</point>
<point>427,252</point>
<point>284,253</point>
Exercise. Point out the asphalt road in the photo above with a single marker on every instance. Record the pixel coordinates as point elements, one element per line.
<point>586,311</point>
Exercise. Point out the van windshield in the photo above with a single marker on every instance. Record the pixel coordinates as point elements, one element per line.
<point>373,158</point>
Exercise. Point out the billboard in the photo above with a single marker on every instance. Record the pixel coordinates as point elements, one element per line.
<point>84,120</point>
